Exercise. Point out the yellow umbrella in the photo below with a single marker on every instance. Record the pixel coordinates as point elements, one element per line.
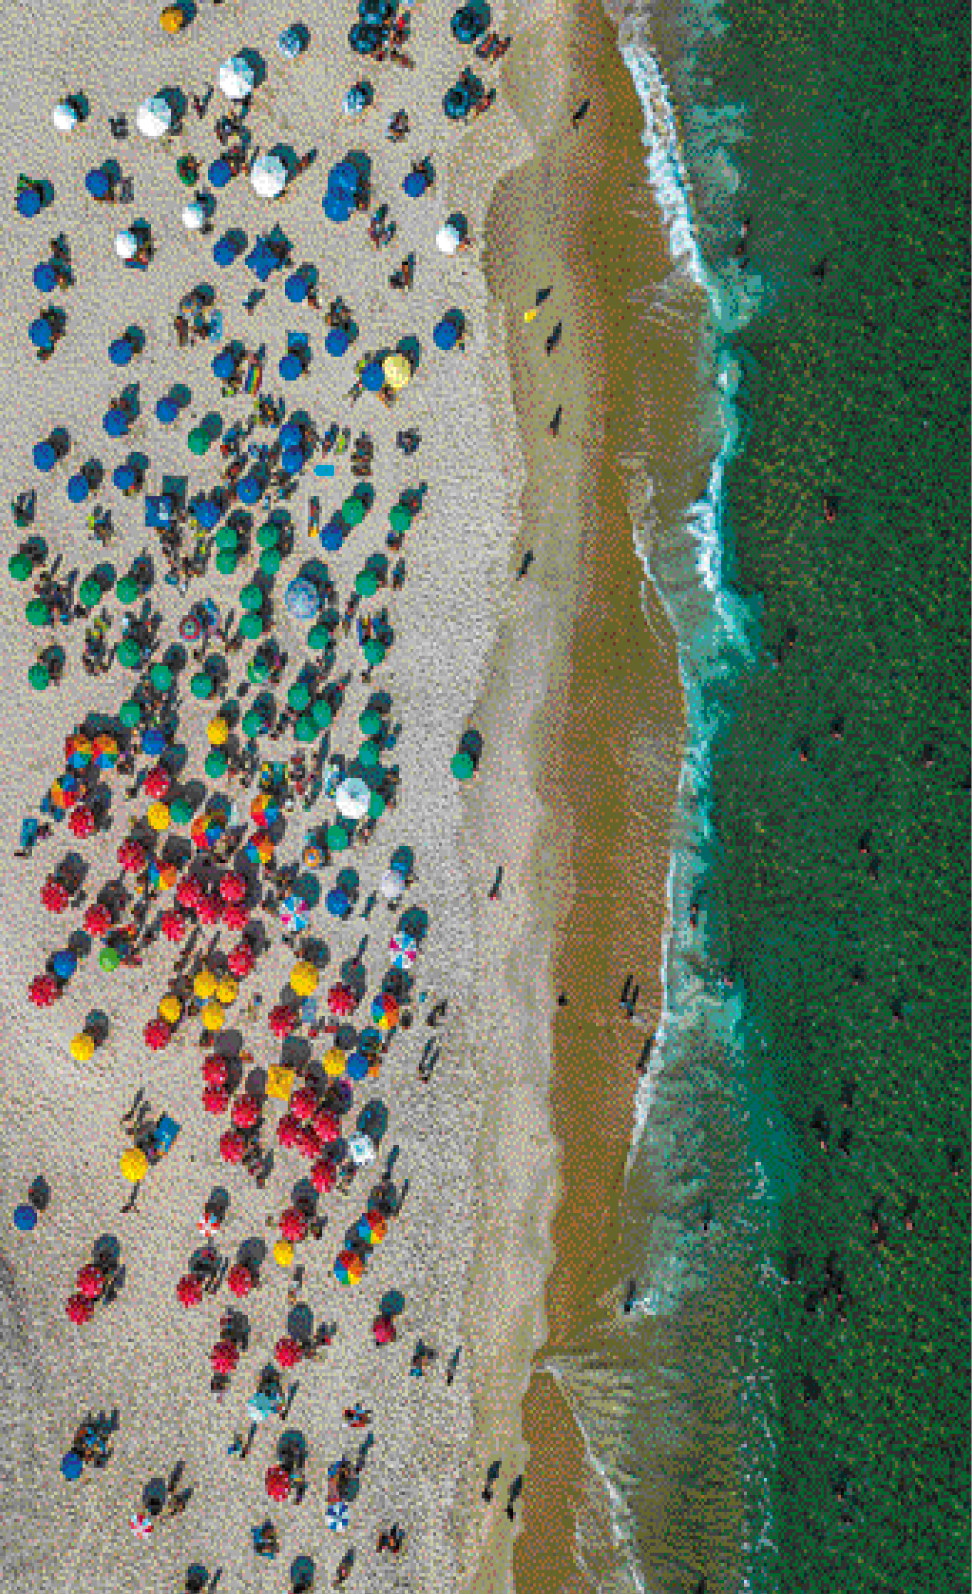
<point>283,1253</point>
<point>159,817</point>
<point>217,731</point>
<point>205,984</point>
<point>173,19</point>
<point>397,372</point>
<point>304,979</point>
<point>227,991</point>
<point>133,1165</point>
<point>280,1082</point>
<point>334,1062</point>
<point>170,1008</point>
<point>82,1047</point>
<point>212,1016</point>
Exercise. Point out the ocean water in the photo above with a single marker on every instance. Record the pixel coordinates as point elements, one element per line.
<point>785,1408</point>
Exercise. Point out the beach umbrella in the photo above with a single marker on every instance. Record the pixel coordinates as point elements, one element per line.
<point>295,288</point>
<point>215,1070</point>
<point>45,457</point>
<point>323,1177</point>
<point>25,1218</point>
<point>283,1253</point>
<point>404,949</point>
<point>463,766</point>
<point>45,280</point>
<point>337,342</point>
<point>133,1165</point>
<point>153,741</point>
<point>307,1142</point>
<point>250,490</point>
<point>368,755</point>
<point>344,180</point>
<point>287,1351</point>
<point>214,1099</point>
<point>293,1226</point>
<point>82,822</point>
<point>298,697</point>
<point>174,925</point>
<point>167,411</point>
<point>415,184</point>
<point>217,731</point>
<point>384,1011</point>
<point>227,991</point>
<point>353,511</point>
<point>270,561</point>
<point>193,216</point>
<point>369,722</point>
<point>115,422</point>
<point>366,583</point>
<point>288,1130</point>
<point>232,1146</point>
<point>337,838</point>
<point>212,1017</point>
<point>123,477</point>
<point>240,1279</point>
<point>294,914</point>
<point>351,799</point>
<point>372,377</point>
<point>304,979</point>
<point>348,1268</point>
<point>268,535</point>
<point>97,920</point>
<point>189,1291</point>
<point>277,1484</point>
<point>358,1066</point>
<point>54,896</point>
<point>225,251</point>
<point>121,351</point>
<point>65,116</point>
<point>241,960</point>
<point>291,367</point>
<point>141,1525</point>
<point>456,102</point>
<point>224,364</point>
<point>283,1019</point>
<point>72,1466</point>
<point>161,677</point>
<point>132,857</point>
<point>237,78</point>
<point>109,959</point>
<point>126,245</point>
<point>180,811</point>
<point>223,1358</point>
<point>332,536</point>
<point>44,990</point>
<point>341,1000</point>
<point>259,849</point>
<point>245,1113</point>
<point>383,1329</point>
<point>20,566</point>
<point>333,1062</point>
<point>302,599</point>
<point>232,887</point>
<point>292,460</point>
<point>78,489</point>
<point>397,372</point>
<point>305,730</point>
<point>64,964</point>
<point>154,117</point>
<point>447,239</point>
<point>220,173</point>
<point>235,916</point>
<point>157,1034</point>
<point>39,677</point>
<point>336,1516</point>
<point>28,201</point>
<point>38,613</point>
<point>79,1310</point>
<point>264,810</point>
<point>337,902</point>
<point>129,654</point>
<point>82,1047</point>
<point>372,1228</point>
<point>158,817</point>
<point>157,783</point>
<point>445,335</point>
<point>268,175</point>
<point>90,1282</point>
<point>98,183</point>
<point>303,1104</point>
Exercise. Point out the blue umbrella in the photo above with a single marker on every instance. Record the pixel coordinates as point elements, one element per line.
<point>337,342</point>
<point>336,208</point>
<point>302,599</point>
<point>445,336</point>
<point>224,365</point>
<point>124,478</point>
<point>78,488</point>
<point>45,278</point>
<point>291,367</point>
<point>261,260</point>
<point>344,179</point>
<point>373,377</point>
<point>207,514</point>
<point>72,1466</point>
<point>158,511</point>
<point>292,459</point>
<point>153,742</point>
<point>120,352</point>
<point>332,537</point>
<point>45,457</point>
<point>357,1066</point>
<point>250,489</point>
<point>115,423</point>
<point>64,963</point>
<point>220,173</point>
<point>97,183</point>
<point>456,102</point>
<point>415,185</point>
<point>374,12</point>
<point>28,202</point>
<point>337,902</point>
<point>25,1218</point>
<point>167,410</point>
<point>41,334</point>
<point>224,251</point>
<point>291,435</point>
<point>363,39</point>
<point>295,288</point>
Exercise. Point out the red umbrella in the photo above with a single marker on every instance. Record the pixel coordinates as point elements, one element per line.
<point>207,910</point>
<point>235,916</point>
<point>241,960</point>
<point>189,1291</point>
<point>189,893</point>
<point>341,1000</point>
<point>326,1126</point>
<point>287,1351</point>
<point>232,887</point>
<point>323,1177</point>
<point>278,1483</point>
<point>215,1070</point>
<point>157,783</point>
<point>288,1129</point>
<point>54,896</point>
<point>246,1112</point>
<point>82,822</point>
<point>132,857</point>
<point>383,1329</point>
<point>214,1099</point>
<point>283,1019</point>
<point>293,1226</point>
<point>308,1144</point>
<point>44,990</point>
<point>90,1282</point>
<point>240,1280</point>
<point>224,1357</point>
<point>303,1102</point>
<point>174,925</point>
<point>232,1146</point>
<point>79,1310</point>
<point>157,1034</point>
<point>97,919</point>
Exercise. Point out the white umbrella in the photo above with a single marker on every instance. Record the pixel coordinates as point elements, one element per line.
<point>392,885</point>
<point>65,117</point>
<point>236,78</point>
<point>362,1150</point>
<point>269,176</point>
<point>336,1517</point>
<point>447,240</point>
<point>126,245</point>
<point>193,217</point>
<point>141,1525</point>
<point>404,948</point>
<point>154,117</point>
<point>353,798</point>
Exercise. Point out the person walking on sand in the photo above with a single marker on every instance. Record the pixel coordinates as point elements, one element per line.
<point>516,1489</point>
<point>497,886</point>
<point>578,116</point>
<point>492,1474</point>
<point>553,338</point>
<point>554,427</point>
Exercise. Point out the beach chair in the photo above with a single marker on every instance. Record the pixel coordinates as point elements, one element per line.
<point>163,1138</point>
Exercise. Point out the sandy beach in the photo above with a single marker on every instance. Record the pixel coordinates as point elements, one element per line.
<point>478,1150</point>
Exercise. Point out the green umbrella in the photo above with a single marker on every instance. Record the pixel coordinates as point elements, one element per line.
<point>109,957</point>
<point>318,638</point>
<point>254,722</point>
<point>337,838</point>
<point>89,592</point>
<point>161,677</point>
<point>227,537</point>
<point>463,767</point>
<point>400,518</point>
<point>251,627</point>
<point>376,805</point>
<point>366,583</point>
<point>187,169</point>
<point>38,613</point>
<point>180,811</point>
<point>368,754</point>
<point>251,597</point>
<point>39,677</point>
<point>374,651</point>
<point>299,696</point>
<point>269,534</point>
<point>130,654</point>
<point>199,441</point>
<point>226,561</point>
<point>258,671</point>
<point>21,567</point>
<point>215,764</point>
<point>322,713</point>
<point>127,590</point>
<point>305,730</point>
<point>130,714</point>
<point>202,686</point>
<point>352,511</point>
<point>270,561</point>
<point>369,723</point>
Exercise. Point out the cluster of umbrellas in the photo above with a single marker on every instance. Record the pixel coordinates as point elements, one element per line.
<point>89,1288</point>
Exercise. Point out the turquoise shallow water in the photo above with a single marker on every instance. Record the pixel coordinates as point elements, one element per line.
<point>797,1201</point>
